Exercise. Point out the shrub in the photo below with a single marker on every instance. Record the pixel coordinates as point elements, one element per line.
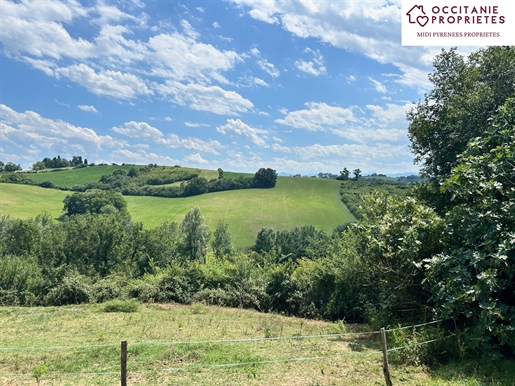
<point>73,289</point>
<point>118,305</point>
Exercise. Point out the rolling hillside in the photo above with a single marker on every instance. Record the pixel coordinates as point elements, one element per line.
<point>293,202</point>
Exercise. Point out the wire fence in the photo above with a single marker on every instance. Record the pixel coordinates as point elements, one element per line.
<point>226,341</point>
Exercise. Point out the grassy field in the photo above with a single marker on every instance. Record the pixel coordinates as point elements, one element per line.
<point>88,341</point>
<point>293,202</point>
<point>70,177</point>
<point>24,201</point>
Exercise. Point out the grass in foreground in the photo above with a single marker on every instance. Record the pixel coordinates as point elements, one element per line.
<point>334,361</point>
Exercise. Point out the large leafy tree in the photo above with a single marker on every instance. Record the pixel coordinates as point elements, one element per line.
<point>265,178</point>
<point>465,95</point>
<point>474,280</point>
<point>195,235</point>
<point>222,240</point>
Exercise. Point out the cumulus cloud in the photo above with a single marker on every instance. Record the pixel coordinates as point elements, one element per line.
<point>29,130</point>
<point>371,28</point>
<point>385,124</point>
<point>111,83</point>
<point>110,63</point>
<point>318,116</point>
<point>238,127</point>
<point>196,159</point>
<point>213,99</point>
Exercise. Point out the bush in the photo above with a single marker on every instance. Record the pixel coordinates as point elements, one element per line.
<point>73,289</point>
<point>117,305</point>
<point>109,288</point>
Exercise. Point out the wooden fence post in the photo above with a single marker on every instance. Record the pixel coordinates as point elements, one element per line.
<point>386,370</point>
<point>123,361</point>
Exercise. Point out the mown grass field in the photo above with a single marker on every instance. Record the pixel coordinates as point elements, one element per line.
<point>70,177</point>
<point>66,342</point>
<point>293,202</point>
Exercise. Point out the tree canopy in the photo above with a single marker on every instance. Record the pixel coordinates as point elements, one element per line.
<point>265,178</point>
<point>466,94</point>
<point>94,202</point>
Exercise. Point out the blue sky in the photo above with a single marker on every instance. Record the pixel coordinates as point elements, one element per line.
<point>298,86</point>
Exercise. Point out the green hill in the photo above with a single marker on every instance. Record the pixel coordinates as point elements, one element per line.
<point>293,202</point>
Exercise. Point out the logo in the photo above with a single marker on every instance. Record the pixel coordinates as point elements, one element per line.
<point>413,18</point>
<point>458,22</point>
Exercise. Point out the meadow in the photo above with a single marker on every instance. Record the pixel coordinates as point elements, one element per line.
<point>295,201</point>
<point>69,177</point>
<point>80,345</point>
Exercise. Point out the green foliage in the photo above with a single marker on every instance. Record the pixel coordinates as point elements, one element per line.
<point>265,240</point>
<point>10,167</point>
<point>265,178</point>
<point>393,239</point>
<point>473,281</point>
<point>352,193</point>
<point>117,305</point>
<point>443,346</point>
<point>73,289</point>
<point>38,371</point>
<point>344,175</point>
<point>21,280</point>
<point>292,244</point>
<point>94,201</point>
<point>222,240</point>
<point>465,95</point>
<point>195,235</point>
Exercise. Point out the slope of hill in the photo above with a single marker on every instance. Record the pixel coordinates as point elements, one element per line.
<point>293,202</point>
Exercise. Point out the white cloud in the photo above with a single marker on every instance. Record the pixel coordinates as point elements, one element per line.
<point>318,116</point>
<point>181,57</point>
<point>260,82</point>
<point>314,67</point>
<point>216,25</point>
<point>142,157</point>
<point>205,98</point>
<point>196,159</point>
<point>140,130</point>
<point>29,130</point>
<point>174,141</point>
<point>369,27</point>
<point>88,109</point>
<point>269,68</point>
<point>242,129</point>
<point>379,87</point>
<point>195,124</point>
<point>111,83</point>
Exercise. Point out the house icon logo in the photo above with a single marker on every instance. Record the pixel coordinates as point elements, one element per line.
<point>417,15</point>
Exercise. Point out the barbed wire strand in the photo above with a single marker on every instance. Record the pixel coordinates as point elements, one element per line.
<point>222,365</point>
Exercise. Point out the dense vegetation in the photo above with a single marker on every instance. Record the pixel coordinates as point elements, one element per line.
<point>445,250</point>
